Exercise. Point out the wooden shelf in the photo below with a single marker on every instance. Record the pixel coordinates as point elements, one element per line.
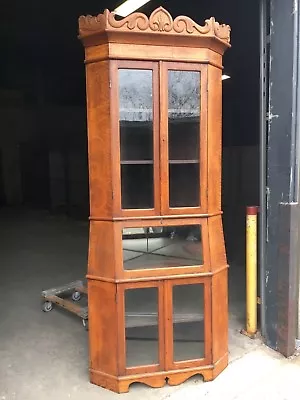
<point>137,110</point>
<point>145,162</point>
<point>137,162</point>
<point>183,161</point>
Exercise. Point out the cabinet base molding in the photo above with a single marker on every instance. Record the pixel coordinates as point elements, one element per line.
<point>158,379</point>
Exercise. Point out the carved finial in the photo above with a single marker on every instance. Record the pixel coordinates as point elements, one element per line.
<point>159,21</point>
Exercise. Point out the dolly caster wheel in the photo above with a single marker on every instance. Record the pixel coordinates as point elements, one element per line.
<point>76,296</point>
<point>47,306</point>
<point>85,323</point>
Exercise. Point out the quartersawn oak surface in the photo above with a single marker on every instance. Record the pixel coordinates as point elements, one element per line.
<point>160,44</point>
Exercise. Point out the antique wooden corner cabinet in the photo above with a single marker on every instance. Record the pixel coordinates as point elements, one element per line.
<point>157,270</point>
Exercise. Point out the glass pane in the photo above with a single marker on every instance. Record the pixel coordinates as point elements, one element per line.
<point>184,138</point>
<point>137,186</point>
<point>162,247</point>
<point>141,310</point>
<point>136,138</point>
<point>188,322</point>
<point>184,185</point>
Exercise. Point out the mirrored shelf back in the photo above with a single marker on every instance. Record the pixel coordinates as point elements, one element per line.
<point>157,268</point>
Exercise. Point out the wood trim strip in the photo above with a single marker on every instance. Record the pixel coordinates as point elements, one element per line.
<point>92,60</point>
<point>157,217</point>
<point>121,329</point>
<point>158,278</point>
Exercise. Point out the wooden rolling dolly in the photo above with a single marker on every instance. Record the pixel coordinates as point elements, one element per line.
<point>54,296</point>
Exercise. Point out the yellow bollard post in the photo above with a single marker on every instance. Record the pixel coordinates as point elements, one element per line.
<point>251,272</point>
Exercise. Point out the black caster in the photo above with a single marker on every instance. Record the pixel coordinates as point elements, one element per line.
<point>76,296</point>
<point>47,306</point>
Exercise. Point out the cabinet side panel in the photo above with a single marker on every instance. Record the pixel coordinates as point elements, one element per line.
<point>103,327</point>
<point>99,139</point>
<point>101,261</point>
<point>220,315</point>
<point>214,125</point>
<point>216,243</point>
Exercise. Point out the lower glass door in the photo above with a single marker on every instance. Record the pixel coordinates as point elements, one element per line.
<point>188,328</point>
<point>141,326</point>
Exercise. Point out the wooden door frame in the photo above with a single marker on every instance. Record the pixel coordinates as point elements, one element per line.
<point>115,137</point>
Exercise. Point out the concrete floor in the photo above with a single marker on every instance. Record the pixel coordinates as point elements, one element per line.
<point>44,356</point>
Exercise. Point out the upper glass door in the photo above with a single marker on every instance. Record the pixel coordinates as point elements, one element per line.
<point>159,138</point>
<point>138,137</point>
<point>183,132</point>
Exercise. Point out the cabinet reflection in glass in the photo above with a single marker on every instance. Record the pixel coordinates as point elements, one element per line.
<point>188,322</point>
<point>141,310</point>
<point>162,247</point>
<point>136,137</point>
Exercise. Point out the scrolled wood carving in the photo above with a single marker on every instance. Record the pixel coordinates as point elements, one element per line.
<point>221,31</point>
<point>185,24</point>
<point>136,20</point>
<point>159,21</point>
<point>90,23</point>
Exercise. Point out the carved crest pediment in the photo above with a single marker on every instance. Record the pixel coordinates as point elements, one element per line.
<point>160,21</point>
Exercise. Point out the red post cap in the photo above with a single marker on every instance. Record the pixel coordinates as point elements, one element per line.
<point>252,210</point>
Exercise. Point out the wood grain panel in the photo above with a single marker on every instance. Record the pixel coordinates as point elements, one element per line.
<point>103,327</point>
<point>160,53</point>
<point>97,53</point>
<point>219,315</point>
<point>217,250</point>
<point>214,146</point>
<point>102,249</point>
<point>139,52</point>
<point>220,365</point>
<point>154,380</point>
<point>99,139</point>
